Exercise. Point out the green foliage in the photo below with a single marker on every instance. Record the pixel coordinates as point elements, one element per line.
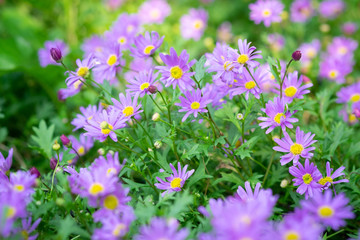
<point>44,139</point>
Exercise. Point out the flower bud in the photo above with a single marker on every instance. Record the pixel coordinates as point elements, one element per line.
<point>53,163</point>
<point>101,151</point>
<point>155,117</point>
<point>296,55</point>
<point>152,89</point>
<point>284,183</point>
<point>34,171</point>
<point>65,140</point>
<point>240,116</point>
<point>357,112</point>
<point>158,144</point>
<point>56,146</point>
<point>60,201</point>
<point>56,54</point>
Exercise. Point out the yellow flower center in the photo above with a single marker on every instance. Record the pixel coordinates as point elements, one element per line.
<point>278,116</point>
<point>176,183</point>
<point>111,202</point>
<point>77,84</point>
<point>110,171</point>
<point>291,235</point>
<point>128,111</point>
<point>326,211</point>
<point>10,212</point>
<point>19,187</point>
<point>130,28</point>
<point>118,229</point>
<point>122,40</point>
<point>70,161</point>
<point>105,127</point>
<point>243,58</point>
<point>148,49</point>
<point>245,219</point>
<point>198,24</point>
<point>352,118</point>
<point>290,91</point>
<point>25,234</point>
<point>112,60</point>
<point>82,71</point>
<point>333,74</point>
<point>96,188</point>
<point>307,178</point>
<point>355,97</point>
<point>266,12</point>
<point>144,86</point>
<point>250,85</point>
<point>342,50</point>
<point>296,149</point>
<point>155,13</point>
<point>176,72</point>
<point>195,105</point>
<point>311,52</point>
<point>81,150</point>
<point>324,180</point>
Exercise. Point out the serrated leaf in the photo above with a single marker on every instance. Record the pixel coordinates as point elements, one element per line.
<point>198,175</point>
<point>181,203</point>
<point>44,138</point>
<point>200,68</point>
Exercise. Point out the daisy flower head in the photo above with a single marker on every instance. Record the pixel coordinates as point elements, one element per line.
<point>104,123</point>
<point>216,94</point>
<point>330,210</point>
<point>306,177</point>
<point>127,105</point>
<point>193,103</point>
<point>146,45</point>
<point>154,11</point>
<point>277,116</point>
<point>93,45</point>
<point>27,228</point>
<point>246,84</point>
<point>141,83</point>
<point>108,63</point>
<point>129,22</point>
<point>76,79</point>
<point>175,181</point>
<point>276,41</point>
<point>82,146</point>
<point>5,163</point>
<point>117,36</point>
<point>175,72</point>
<point>331,8</point>
<point>111,164</point>
<point>193,24</point>
<point>349,94</point>
<point>67,92</point>
<point>328,180</point>
<point>86,114</point>
<point>292,87</point>
<point>161,228</point>
<point>309,50</point>
<point>44,53</point>
<point>336,69</point>
<point>266,11</point>
<point>116,200</point>
<point>138,65</point>
<point>247,55</point>
<point>300,148</point>
<point>301,10</point>
<point>247,194</point>
<point>342,47</point>
<point>349,28</point>
<point>22,184</point>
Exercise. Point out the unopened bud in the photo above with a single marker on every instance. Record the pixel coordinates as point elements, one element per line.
<point>275,137</point>
<point>60,201</point>
<point>101,151</point>
<point>240,116</point>
<point>104,125</point>
<point>152,89</point>
<point>56,146</point>
<point>56,54</point>
<point>296,55</point>
<point>155,117</point>
<point>325,27</point>
<point>65,140</point>
<point>53,163</point>
<point>284,183</point>
<point>158,144</point>
<point>34,171</point>
<point>111,152</point>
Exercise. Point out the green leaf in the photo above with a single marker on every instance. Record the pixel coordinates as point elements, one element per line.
<point>134,185</point>
<point>44,138</point>
<point>68,226</point>
<point>229,177</point>
<point>144,210</point>
<point>181,204</point>
<point>200,68</point>
<point>199,174</point>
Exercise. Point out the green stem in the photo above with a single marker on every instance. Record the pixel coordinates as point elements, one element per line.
<point>53,176</point>
<point>261,95</point>
<point>268,168</point>
<point>282,80</point>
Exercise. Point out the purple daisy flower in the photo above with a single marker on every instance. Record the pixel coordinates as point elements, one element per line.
<point>175,181</point>
<point>12,207</point>
<point>82,146</point>
<point>77,78</point>
<point>216,94</point>
<point>309,50</point>
<point>175,72</point>
<point>266,11</point>
<point>335,69</point>
<point>193,103</point>
<point>87,114</point>
<point>247,85</point>
<point>120,36</point>
<point>154,11</point>
<point>93,45</point>
<point>330,211</point>
<point>44,53</point>
<point>193,25</point>
<point>349,28</point>
<point>301,10</point>
<point>292,87</point>
<point>138,65</point>
<point>64,93</point>
<point>277,117</point>
<point>328,180</point>
<point>276,41</point>
<point>247,55</point>
<point>28,228</point>
<point>348,116</point>
<point>300,148</point>
<point>342,47</point>
<point>109,61</point>
<point>21,183</point>
<point>306,177</point>
<point>141,83</point>
<point>145,46</point>
<point>331,8</point>
<point>224,33</point>
<point>103,125</point>
<point>130,22</point>
<point>116,200</point>
<point>110,163</point>
<point>160,228</point>
<point>247,194</point>
<point>127,106</point>
<point>5,163</point>
<point>222,62</point>
<point>349,94</point>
